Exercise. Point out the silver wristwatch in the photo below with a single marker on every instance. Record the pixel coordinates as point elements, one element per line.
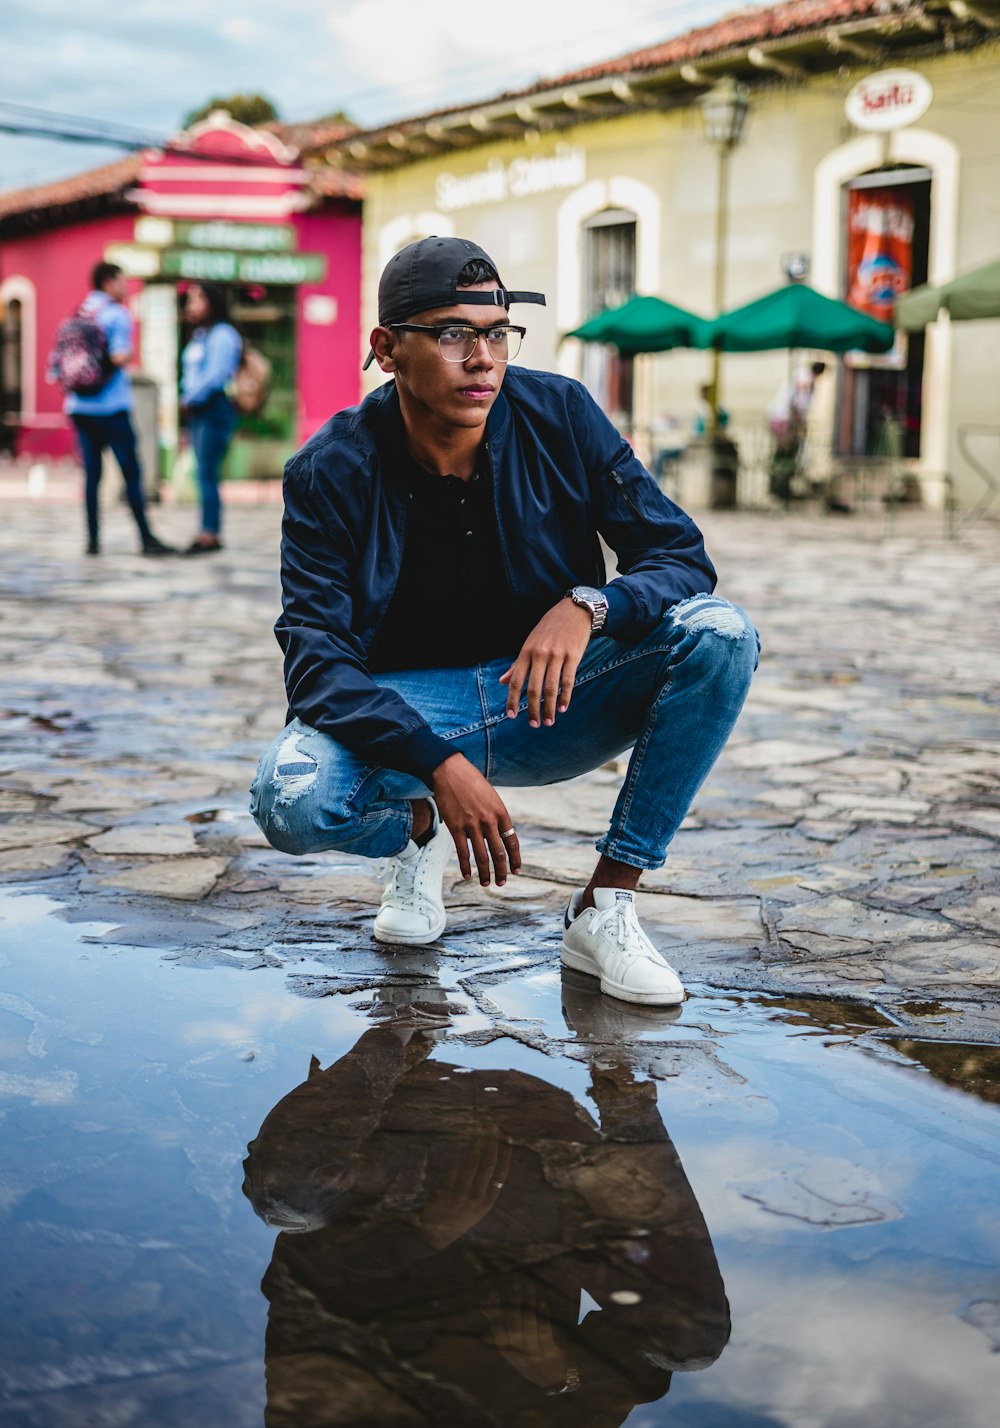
<point>593,600</point>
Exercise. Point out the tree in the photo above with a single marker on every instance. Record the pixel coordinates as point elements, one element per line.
<point>244,108</point>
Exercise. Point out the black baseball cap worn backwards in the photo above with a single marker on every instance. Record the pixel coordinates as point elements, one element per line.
<point>424,275</point>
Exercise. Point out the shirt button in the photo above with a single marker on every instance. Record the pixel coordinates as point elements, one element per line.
<point>468,533</point>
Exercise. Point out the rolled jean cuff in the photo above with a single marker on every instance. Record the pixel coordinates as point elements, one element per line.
<point>608,848</point>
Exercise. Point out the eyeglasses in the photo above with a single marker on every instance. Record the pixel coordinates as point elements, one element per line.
<point>458,341</point>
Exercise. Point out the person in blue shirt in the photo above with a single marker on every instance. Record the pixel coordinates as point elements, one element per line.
<point>209,363</point>
<point>104,420</point>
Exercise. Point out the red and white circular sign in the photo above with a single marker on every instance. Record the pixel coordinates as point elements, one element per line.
<point>890,99</point>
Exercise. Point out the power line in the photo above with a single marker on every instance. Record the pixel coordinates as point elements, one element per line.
<point>67,128</point>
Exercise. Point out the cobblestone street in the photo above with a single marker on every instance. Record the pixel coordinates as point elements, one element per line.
<point>601,1197</point>
<point>846,844</point>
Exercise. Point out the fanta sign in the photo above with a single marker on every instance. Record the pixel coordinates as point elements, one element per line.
<point>890,99</point>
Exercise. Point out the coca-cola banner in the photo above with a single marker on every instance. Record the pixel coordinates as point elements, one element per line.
<point>879,248</point>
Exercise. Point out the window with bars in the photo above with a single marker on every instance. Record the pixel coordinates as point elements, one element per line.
<point>609,280</point>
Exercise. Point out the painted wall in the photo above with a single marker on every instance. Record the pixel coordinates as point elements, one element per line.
<point>220,169</point>
<point>50,273</point>
<point>660,165</point>
<point>329,365</point>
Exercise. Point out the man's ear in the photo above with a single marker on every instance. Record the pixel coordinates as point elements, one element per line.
<point>383,344</point>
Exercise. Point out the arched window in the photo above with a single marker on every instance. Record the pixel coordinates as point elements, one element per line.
<point>11,360</point>
<point>609,266</point>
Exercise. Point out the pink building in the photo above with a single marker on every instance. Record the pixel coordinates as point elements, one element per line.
<point>228,203</point>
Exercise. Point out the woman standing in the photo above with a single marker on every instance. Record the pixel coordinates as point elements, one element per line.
<point>208,364</point>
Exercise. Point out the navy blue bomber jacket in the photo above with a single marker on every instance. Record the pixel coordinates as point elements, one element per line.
<point>562,476</point>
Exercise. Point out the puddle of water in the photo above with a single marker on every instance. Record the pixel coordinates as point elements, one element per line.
<point>602,1215</point>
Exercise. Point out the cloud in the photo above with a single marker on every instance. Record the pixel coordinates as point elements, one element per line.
<point>147,63</point>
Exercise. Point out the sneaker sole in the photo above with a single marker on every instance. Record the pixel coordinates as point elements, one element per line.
<point>418,939</point>
<point>581,963</point>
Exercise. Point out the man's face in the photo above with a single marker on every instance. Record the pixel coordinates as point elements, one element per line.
<point>116,287</point>
<point>453,393</point>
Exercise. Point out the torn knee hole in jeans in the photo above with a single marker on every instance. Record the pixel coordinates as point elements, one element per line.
<point>295,771</point>
<point>705,612</point>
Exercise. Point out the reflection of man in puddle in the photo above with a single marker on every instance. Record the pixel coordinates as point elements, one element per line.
<point>466,1247</point>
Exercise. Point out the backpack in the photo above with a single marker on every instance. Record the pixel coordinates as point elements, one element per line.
<point>80,359</point>
<point>252,383</point>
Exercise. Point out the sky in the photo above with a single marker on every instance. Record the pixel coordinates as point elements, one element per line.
<point>146,63</point>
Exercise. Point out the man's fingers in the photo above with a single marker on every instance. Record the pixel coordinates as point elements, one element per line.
<point>518,673</point>
<point>462,849</point>
<point>498,851</point>
<point>535,683</point>
<point>566,684</point>
<point>550,693</point>
<point>481,854</point>
<point>512,847</point>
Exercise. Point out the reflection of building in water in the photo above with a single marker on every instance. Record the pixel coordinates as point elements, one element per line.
<point>466,1247</point>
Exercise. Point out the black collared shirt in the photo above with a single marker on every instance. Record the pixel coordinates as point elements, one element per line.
<point>453,605</point>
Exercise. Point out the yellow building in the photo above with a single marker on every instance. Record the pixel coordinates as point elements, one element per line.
<point>603,183</point>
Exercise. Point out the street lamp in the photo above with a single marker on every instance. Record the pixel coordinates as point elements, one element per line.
<point>724,111</point>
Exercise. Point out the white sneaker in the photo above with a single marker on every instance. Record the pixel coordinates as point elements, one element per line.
<point>412,908</point>
<point>606,941</point>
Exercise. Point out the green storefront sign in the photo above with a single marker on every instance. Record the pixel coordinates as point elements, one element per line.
<point>240,237</point>
<point>288,269</point>
<point>226,234</point>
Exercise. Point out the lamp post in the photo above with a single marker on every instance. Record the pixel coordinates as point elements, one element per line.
<point>724,111</point>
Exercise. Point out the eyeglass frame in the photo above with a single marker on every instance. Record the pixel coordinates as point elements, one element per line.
<point>440,327</point>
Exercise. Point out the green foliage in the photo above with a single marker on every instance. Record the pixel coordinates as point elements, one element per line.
<point>337,117</point>
<point>244,108</point>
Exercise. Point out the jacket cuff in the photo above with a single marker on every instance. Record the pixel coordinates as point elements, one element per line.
<point>421,752</point>
<point>621,610</point>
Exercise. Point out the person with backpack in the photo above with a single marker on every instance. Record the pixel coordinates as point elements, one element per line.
<point>209,363</point>
<point>92,350</point>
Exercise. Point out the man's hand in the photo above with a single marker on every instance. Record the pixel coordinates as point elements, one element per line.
<point>474,814</point>
<point>474,1173</point>
<point>548,662</point>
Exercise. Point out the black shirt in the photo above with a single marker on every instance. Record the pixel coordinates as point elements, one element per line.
<point>453,605</point>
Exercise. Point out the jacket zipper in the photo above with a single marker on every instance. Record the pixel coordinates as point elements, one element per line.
<point>626,497</point>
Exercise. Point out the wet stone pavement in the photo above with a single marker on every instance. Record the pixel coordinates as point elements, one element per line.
<point>477,1191</point>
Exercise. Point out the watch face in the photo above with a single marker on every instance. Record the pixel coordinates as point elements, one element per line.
<point>588,593</point>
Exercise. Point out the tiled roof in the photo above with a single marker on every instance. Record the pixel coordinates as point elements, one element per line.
<point>336,183</point>
<point>743,27</point>
<point>308,137</point>
<point>759,44</point>
<point>110,181</point>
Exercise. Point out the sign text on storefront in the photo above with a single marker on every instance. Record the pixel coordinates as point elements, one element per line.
<point>520,178</point>
<point>210,265</point>
<point>890,99</point>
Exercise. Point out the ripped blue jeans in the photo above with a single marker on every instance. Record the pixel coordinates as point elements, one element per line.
<point>672,697</point>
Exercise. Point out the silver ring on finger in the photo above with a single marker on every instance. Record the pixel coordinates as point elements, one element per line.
<point>509,833</point>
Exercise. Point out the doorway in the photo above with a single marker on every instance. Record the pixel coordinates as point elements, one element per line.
<point>885,231</point>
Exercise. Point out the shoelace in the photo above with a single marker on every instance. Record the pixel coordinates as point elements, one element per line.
<point>404,879</point>
<point>623,914</point>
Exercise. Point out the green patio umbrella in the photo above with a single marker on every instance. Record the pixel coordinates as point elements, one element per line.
<point>798,316</point>
<point>971,296</point>
<point>644,324</point>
